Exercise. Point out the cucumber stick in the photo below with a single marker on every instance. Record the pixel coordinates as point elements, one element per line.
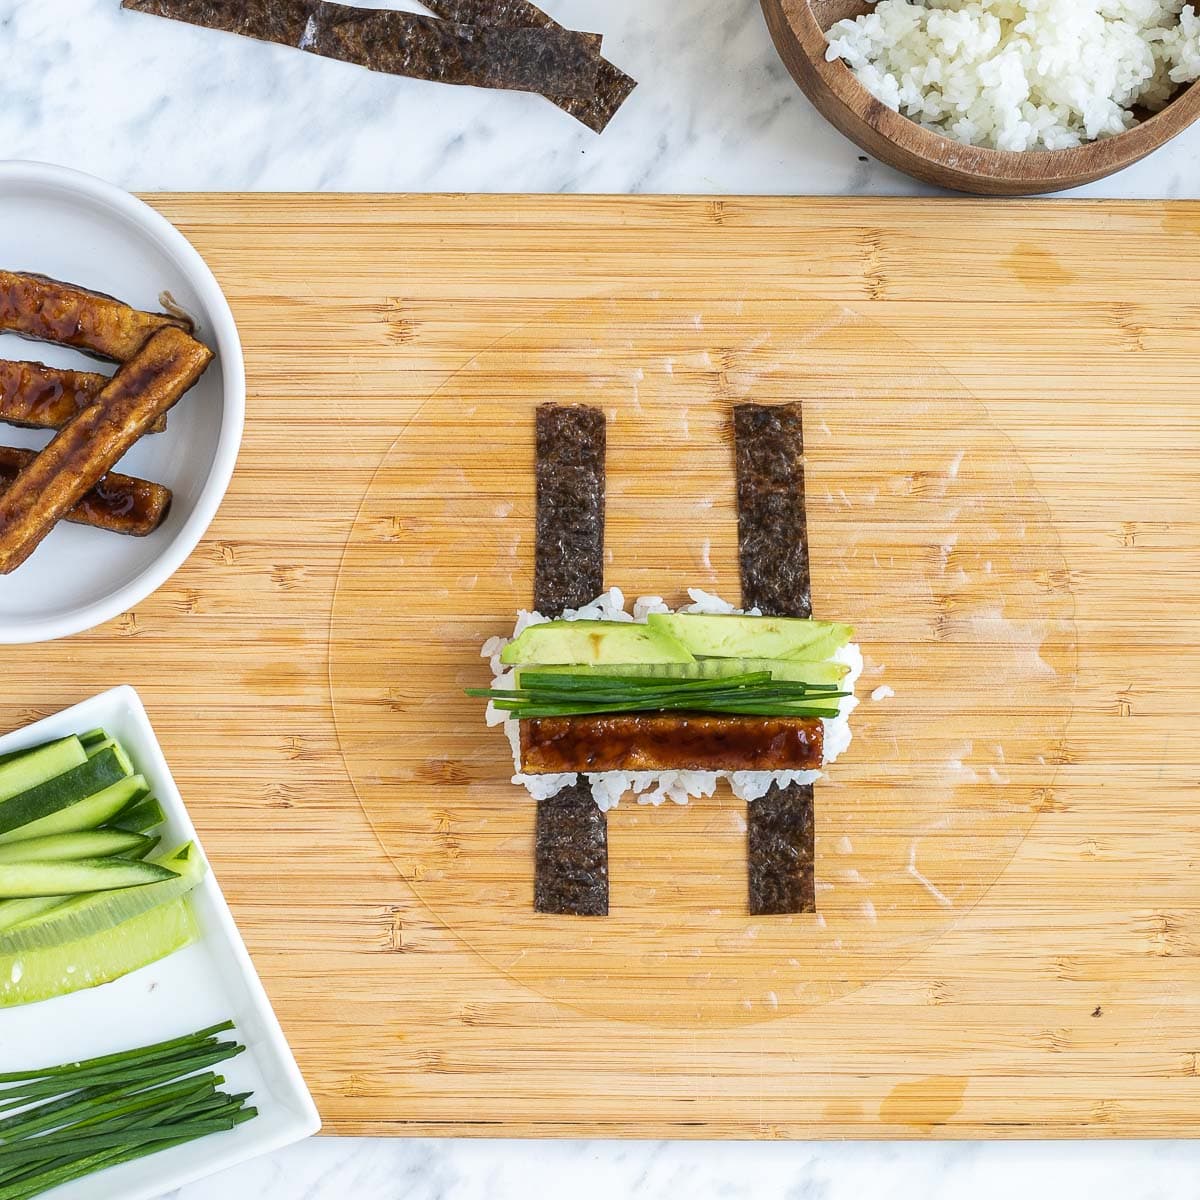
<point>29,975</point>
<point>83,916</point>
<point>89,813</point>
<point>101,770</point>
<point>26,771</point>
<point>66,847</point>
<point>709,668</point>
<point>141,817</point>
<point>15,912</point>
<point>18,879</point>
<point>116,747</point>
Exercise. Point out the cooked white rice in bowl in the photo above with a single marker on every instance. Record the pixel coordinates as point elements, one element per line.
<point>1022,74</point>
<point>608,787</point>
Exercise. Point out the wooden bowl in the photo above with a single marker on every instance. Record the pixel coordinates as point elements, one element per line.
<point>798,27</point>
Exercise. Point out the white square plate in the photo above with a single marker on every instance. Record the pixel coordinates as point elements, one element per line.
<point>198,986</point>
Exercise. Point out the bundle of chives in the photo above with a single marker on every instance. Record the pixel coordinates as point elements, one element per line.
<point>549,695</point>
<point>68,1121</point>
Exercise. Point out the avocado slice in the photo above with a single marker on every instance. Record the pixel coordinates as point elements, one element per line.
<point>711,668</point>
<point>591,643</point>
<point>719,636</point>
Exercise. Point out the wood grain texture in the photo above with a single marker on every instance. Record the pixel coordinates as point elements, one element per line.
<point>798,28</point>
<point>1066,340</point>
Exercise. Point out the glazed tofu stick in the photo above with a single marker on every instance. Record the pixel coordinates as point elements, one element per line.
<point>88,446</point>
<point>35,396</point>
<point>670,742</point>
<point>47,310</point>
<point>118,503</point>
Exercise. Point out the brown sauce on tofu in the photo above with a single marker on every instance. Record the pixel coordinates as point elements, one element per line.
<point>670,742</point>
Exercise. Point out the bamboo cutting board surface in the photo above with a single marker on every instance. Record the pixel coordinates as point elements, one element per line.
<point>1001,407</point>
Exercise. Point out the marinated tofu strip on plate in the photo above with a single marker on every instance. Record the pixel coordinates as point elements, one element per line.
<point>571,867</point>
<point>35,396</point>
<point>88,446</point>
<point>47,310</point>
<point>613,87</point>
<point>773,556</point>
<point>530,59</point>
<point>118,503</point>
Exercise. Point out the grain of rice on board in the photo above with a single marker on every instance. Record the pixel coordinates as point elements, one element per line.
<point>1022,74</point>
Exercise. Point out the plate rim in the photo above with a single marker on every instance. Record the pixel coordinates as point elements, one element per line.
<point>151,224</point>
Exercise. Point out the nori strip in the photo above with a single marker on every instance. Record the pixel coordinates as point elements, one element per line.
<point>571,856</point>
<point>528,59</point>
<point>613,86</point>
<point>571,868</point>
<point>773,555</point>
<point>772,531</point>
<point>569,547</point>
<point>781,843</point>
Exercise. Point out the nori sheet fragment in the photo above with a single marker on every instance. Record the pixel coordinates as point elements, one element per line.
<point>613,86</point>
<point>569,548</point>
<point>571,869</point>
<point>781,842</point>
<point>772,529</point>
<point>571,864</point>
<point>531,59</point>
<point>773,554</point>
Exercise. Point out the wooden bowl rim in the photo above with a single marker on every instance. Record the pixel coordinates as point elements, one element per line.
<point>1036,166</point>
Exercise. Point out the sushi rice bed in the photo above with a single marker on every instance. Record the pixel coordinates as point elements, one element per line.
<point>650,787</point>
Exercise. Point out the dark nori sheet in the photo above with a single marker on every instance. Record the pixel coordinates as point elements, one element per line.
<point>571,870</point>
<point>523,58</point>
<point>613,86</point>
<point>781,841</point>
<point>571,866</point>
<point>569,548</point>
<point>773,554</point>
<point>772,529</point>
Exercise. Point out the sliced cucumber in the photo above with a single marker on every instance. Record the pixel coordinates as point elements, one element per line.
<point>101,770</point>
<point>83,916</point>
<point>147,814</point>
<point>88,813</point>
<point>93,737</point>
<point>34,767</point>
<point>28,878</point>
<point>29,975</point>
<point>116,747</point>
<point>150,844</point>
<point>710,668</point>
<point>66,847</point>
<point>15,912</point>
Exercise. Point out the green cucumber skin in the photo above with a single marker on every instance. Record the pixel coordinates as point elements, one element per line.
<point>28,976</point>
<point>83,916</point>
<point>67,847</point>
<point>145,815</point>
<point>102,808</point>
<point>92,776</point>
<point>26,878</point>
<point>116,747</point>
<point>30,768</point>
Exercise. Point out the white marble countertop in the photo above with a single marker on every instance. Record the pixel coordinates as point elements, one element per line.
<point>169,107</point>
<point>152,104</point>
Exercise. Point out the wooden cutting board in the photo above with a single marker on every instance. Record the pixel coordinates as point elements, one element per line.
<point>1003,407</point>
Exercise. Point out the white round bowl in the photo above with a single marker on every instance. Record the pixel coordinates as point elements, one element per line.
<point>73,227</point>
